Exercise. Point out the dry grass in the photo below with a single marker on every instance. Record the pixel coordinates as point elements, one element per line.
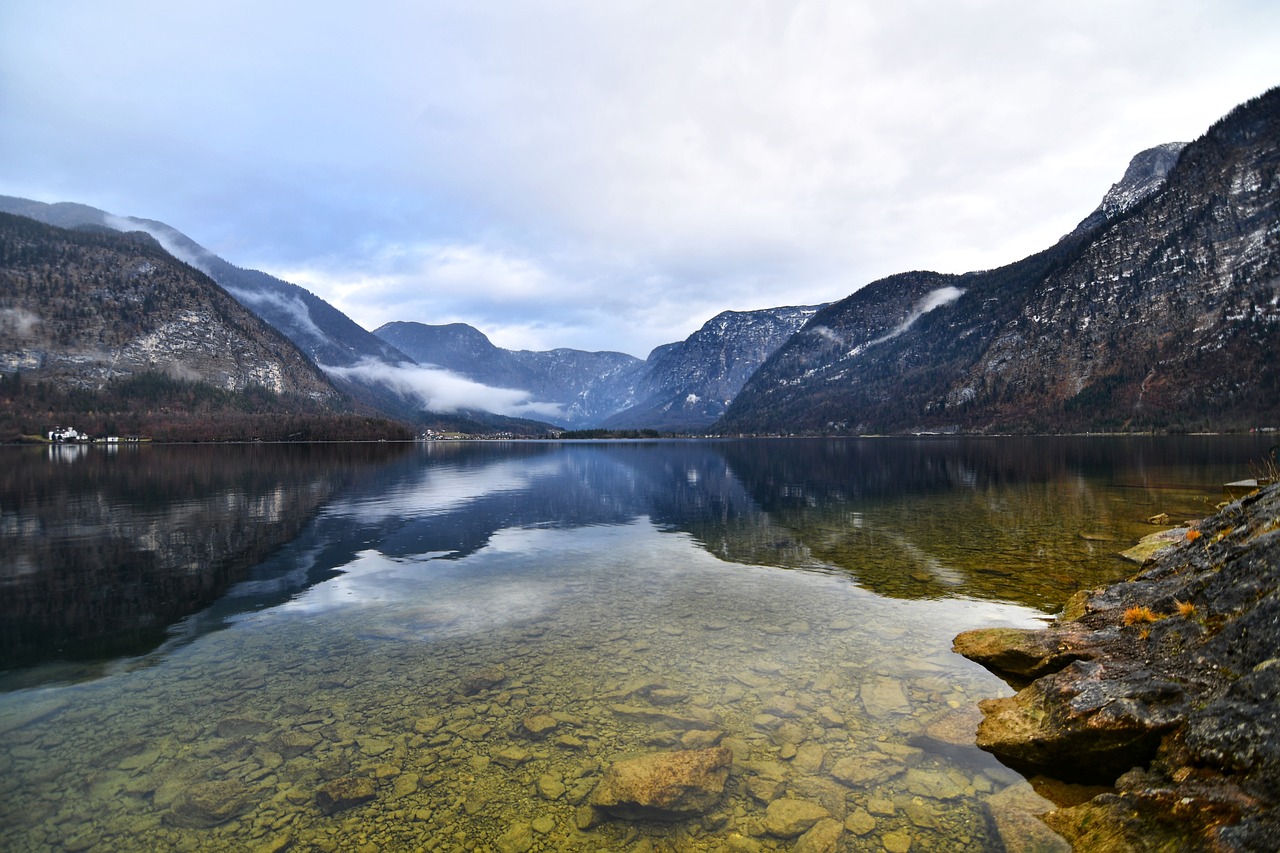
<point>1134,615</point>
<point>1185,608</point>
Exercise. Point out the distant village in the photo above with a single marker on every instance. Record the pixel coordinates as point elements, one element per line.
<point>71,435</point>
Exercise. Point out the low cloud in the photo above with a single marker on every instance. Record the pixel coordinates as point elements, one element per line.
<point>292,306</point>
<point>442,391</point>
<point>931,300</point>
<point>18,323</point>
<point>162,236</point>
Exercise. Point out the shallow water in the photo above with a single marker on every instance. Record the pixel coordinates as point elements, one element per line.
<point>481,629</point>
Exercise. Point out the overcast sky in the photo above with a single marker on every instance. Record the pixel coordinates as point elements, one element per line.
<point>607,174</point>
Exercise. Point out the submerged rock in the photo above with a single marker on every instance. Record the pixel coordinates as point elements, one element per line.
<point>790,817</point>
<point>664,785</point>
<point>207,804</point>
<point>1165,686</point>
<point>340,794</point>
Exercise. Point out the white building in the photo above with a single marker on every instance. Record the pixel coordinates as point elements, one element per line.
<point>59,433</point>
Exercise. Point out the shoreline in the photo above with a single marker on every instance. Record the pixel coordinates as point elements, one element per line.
<point>1162,689</point>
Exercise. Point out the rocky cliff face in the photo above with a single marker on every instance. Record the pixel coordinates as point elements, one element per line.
<point>1146,175</point>
<point>1163,314</point>
<point>689,385</point>
<point>80,309</point>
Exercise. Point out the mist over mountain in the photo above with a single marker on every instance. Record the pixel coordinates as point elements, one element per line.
<point>683,386</point>
<point>1161,311</point>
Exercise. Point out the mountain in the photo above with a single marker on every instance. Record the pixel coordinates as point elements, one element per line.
<point>1163,313</point>
<point>108,332</point>
<point>682,386</point>
<point>321,331</point>
<point>689,385</point>
<point>1146,175</point>
<point>588,386</point>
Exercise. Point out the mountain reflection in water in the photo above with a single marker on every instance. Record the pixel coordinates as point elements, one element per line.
<point>115,552</point>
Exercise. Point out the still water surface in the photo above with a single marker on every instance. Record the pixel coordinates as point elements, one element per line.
<point>195,640</point>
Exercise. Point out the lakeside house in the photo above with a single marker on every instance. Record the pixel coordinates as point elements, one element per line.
<point>60,433</point>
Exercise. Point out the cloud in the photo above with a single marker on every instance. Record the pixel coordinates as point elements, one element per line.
<point>610,175</point>
<point>443,391</point>
<point>18,323</point>
<point>294,307</point>
<point>931,300</point>
<point>162,236</point>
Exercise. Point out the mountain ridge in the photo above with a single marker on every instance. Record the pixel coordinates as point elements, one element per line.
<point>1068,339</point>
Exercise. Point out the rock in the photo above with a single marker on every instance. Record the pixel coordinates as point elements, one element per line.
<point>883,697</point>
<point>242,727</point>
<point>896,842</point>
<point>544,824</point>
<point>656,715</point>
<point>934,784</point>
<point>344,793</point>
<point>859,822</point>
<point>957,728</point>
<point>664,785</point>
<point>517,839</point>
<point>291,744</point>
<point>538,726</point>
<point>822,837</point>
<point>700,738</point>
<point>509,756</point>
<point>1150,547</point>
<point>207,804</point>
<point>789,817</point>
<point>1089,722</point>
<point>1019,652</point>
<point>484,679</point>
<point>550,787</point>
<point>1015,815</point>
<point>865,769</point>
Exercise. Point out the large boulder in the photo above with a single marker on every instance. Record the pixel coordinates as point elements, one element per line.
<point>664,785</point>
<point>1088,722</point>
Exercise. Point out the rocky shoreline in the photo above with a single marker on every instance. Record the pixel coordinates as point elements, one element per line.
<point>1162,688</point>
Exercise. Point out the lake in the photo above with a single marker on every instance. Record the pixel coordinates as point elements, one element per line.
<point>194,641</point>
